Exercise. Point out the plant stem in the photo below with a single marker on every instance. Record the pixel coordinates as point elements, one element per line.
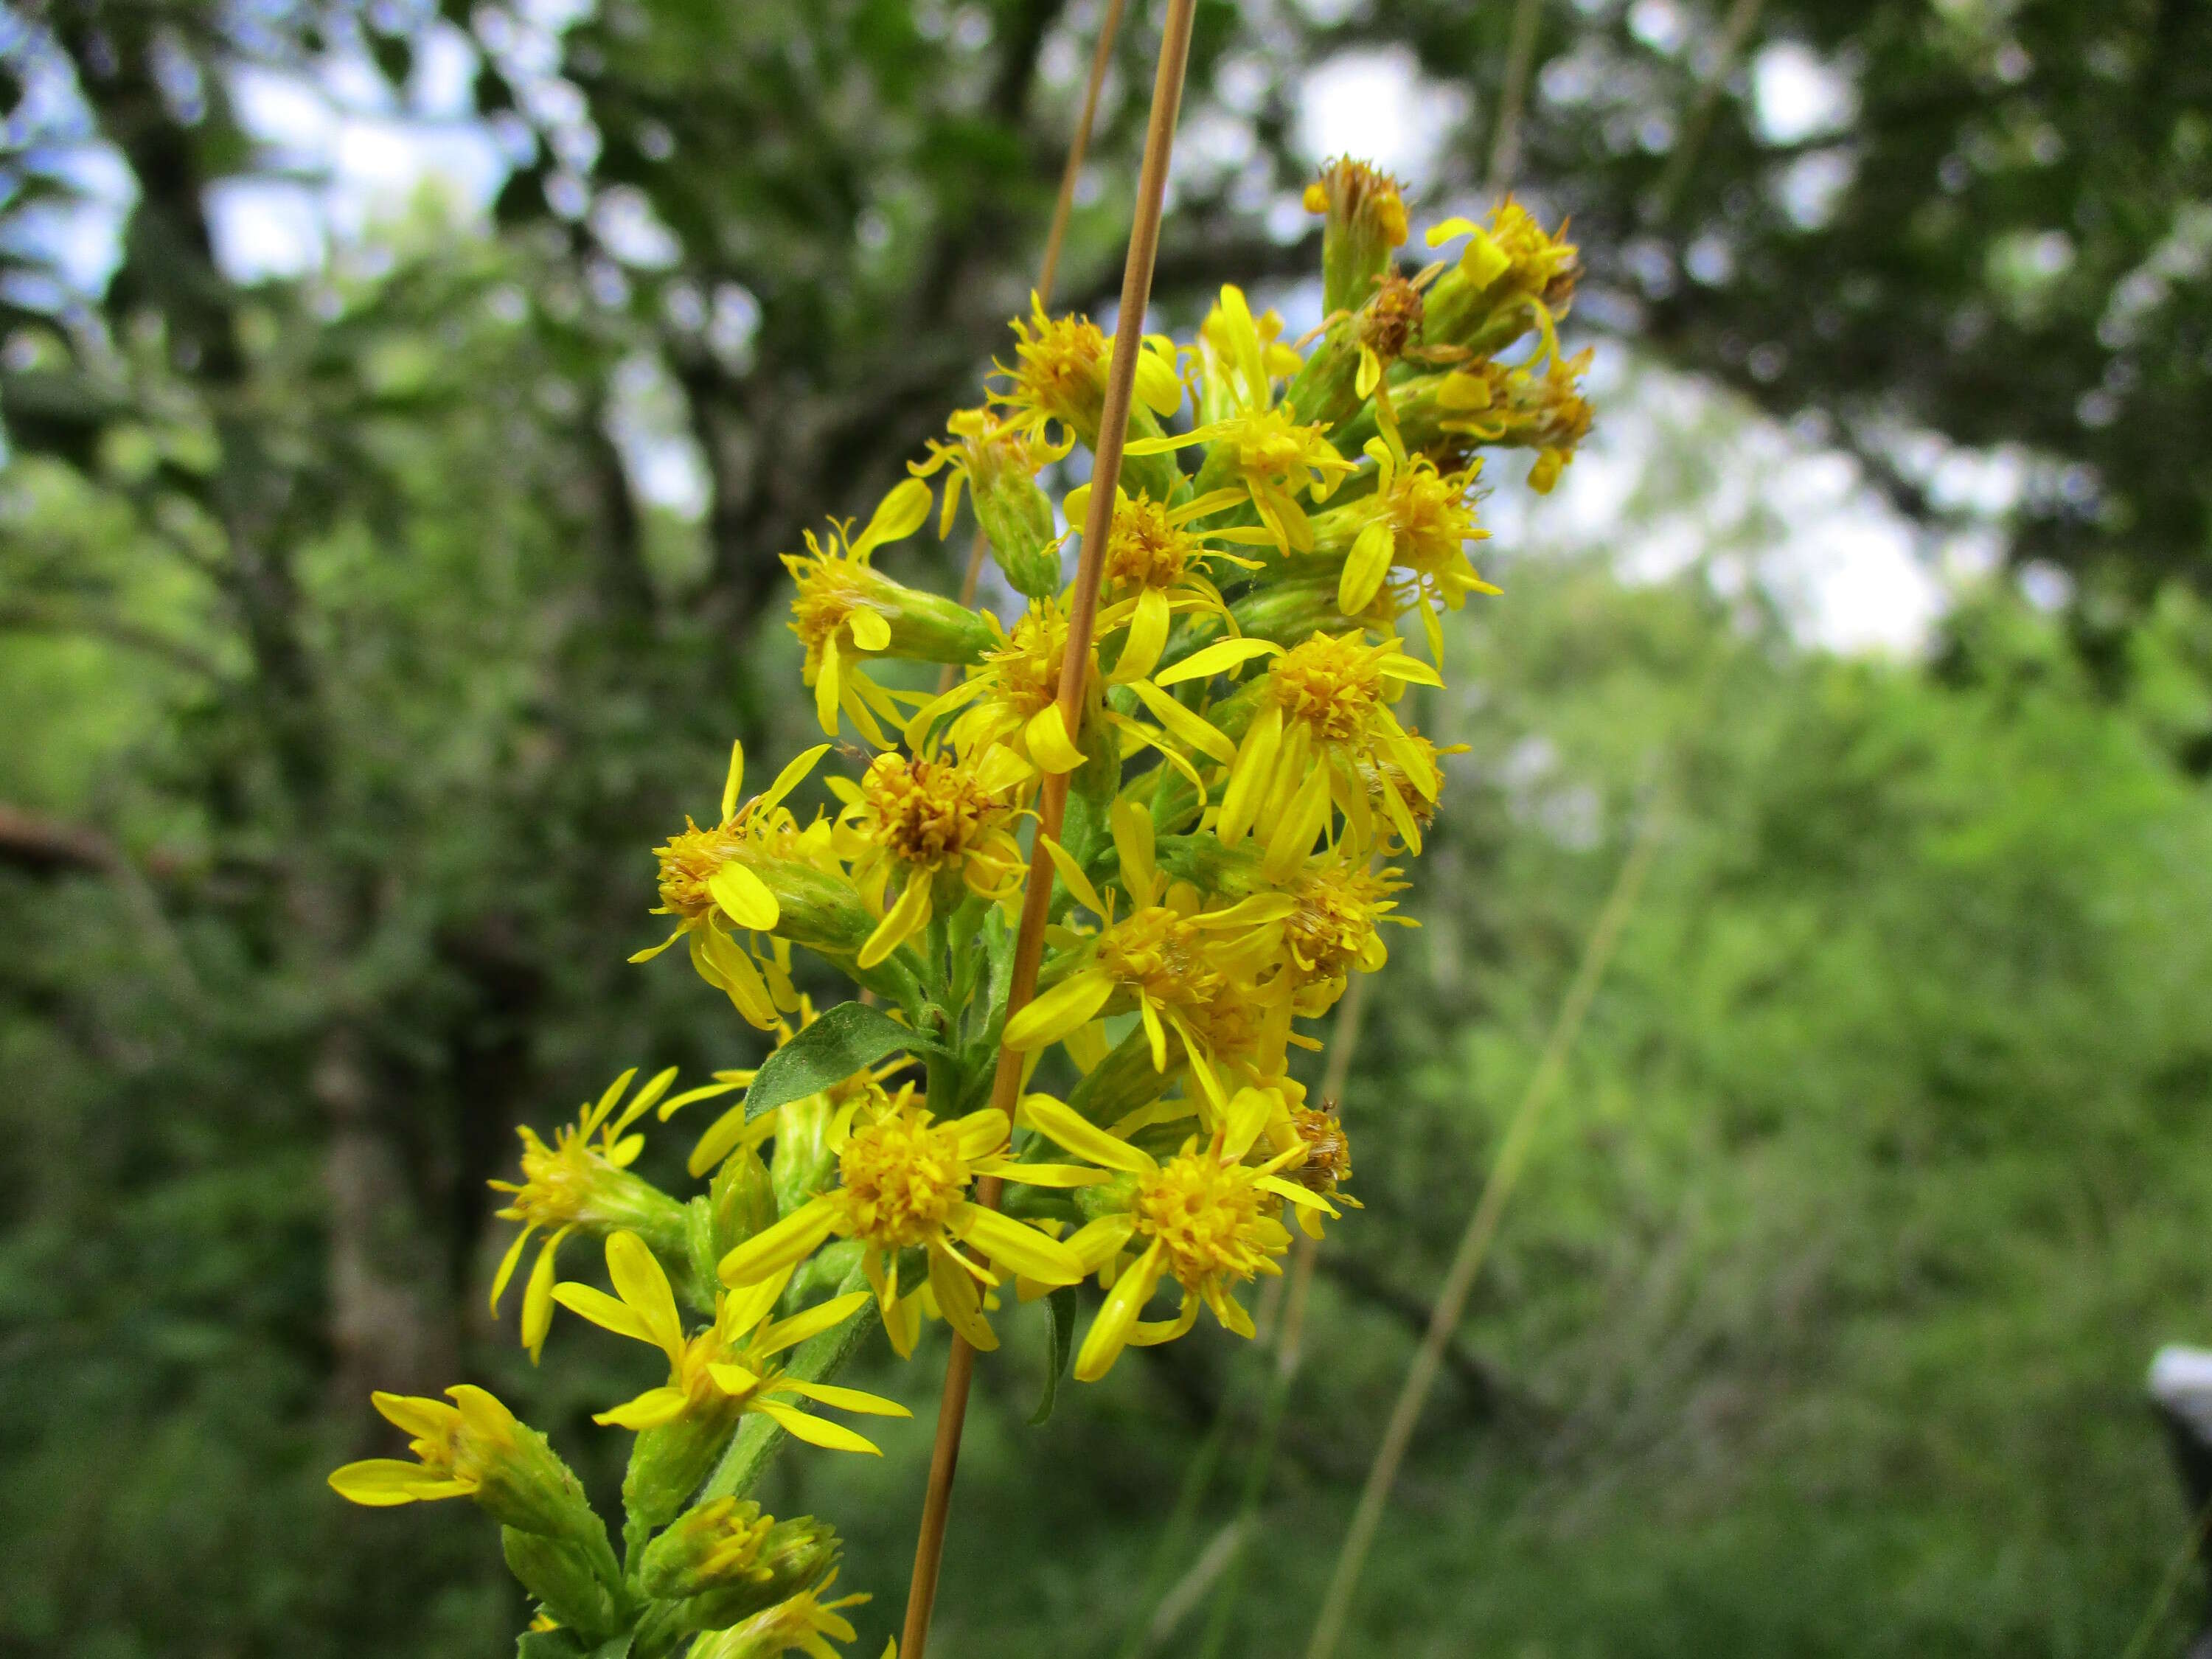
<point>1482,1228</point>
<point>1083,614</point>
<point>1102,60</point>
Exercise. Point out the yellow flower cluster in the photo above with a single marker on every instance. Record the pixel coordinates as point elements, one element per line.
<point>1240,785</point>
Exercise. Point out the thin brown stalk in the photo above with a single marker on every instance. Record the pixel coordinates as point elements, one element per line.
<point>1102,60</point>
<point>1741,19</point>
<point>1083,614</point>
<point>1520,55</point>
<point>1481,1229</point>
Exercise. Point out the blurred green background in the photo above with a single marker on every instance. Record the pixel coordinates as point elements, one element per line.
<point>403,406</point>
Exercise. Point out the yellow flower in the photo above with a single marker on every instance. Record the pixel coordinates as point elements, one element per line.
<point>1366,219</point>
<point>1154,565</point>
<point>1059,375</point>
<point>1013,698</point>
<point>1327,1165</point>
<point>454,1447</point>
<point>1271,457</point>
<point>804,1622</point>
<point>713,877</point>
<point>1493,404</point>
<point>1166,960</point>
<point>846,611</point>
<point>934,827</point>
<point>1336,925</point>
<point>1511,272</point>
<point>476,1449</point>
<point>1418,520</point>
<point>583,1179</point>
<point>999,462</point>
<point>1240,357</point>
<point>903,1182</point>
<point>730,1368</point>
<point>1205,1218</point>
<point>1324,713</point>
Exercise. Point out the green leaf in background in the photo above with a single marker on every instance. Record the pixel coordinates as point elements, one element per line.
<point>1062,1304</point>
<point>849,1038</point>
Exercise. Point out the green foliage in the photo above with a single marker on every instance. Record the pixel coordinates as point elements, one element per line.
<point>848,1039</point>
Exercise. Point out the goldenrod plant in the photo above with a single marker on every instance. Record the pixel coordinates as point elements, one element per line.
<point>1243,786</point>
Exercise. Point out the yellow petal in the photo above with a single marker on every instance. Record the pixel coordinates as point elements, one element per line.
<point>641,1283</point>
<point>1132,843</point>
<point>900,512</point>
<point>870,631</point>
<point>1071,1129</point>
<point>605,1311</point>
<point>1293,838</point>
<point>655,1408</point>
<point>794,770</point>
<point>507,1266</point>
<point>1109,1331</point>
<point>1048,741</point>
<point>956,1299</point>
<point>734,784</point>
<point>1058,1011</point>
<point>1216,658</point>
<point>1147,636</point>
<point>1011,1243</point>
<point>1194,731</point>
<point>902,921</point>
<point>1249,1110</point>
<point>538,1297</point>
<point>826,686</point>
<point>734,1380</point>
<point>850,1399</point>
<point>1098,1243</point>
<point>1364,569</point>
<point>816,1430</point>
<point>828,1315</point>
<point>981,1133</point>
<point>1048,1175</point>
<point>1071,874</point>
<point>1398,665</point>
<point>381,1482</point>
<point>743,897</point>
<point>1250,775</point>
<point>785,1244</point>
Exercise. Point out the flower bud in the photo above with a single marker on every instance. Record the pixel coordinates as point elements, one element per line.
<point>1366,219</point>
<point>667,1463</point>
<point>561,1577</point>
<point>727,1561</point>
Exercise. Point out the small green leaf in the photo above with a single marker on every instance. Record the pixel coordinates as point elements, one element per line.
<point>548,1644</point>
<point>849,1038</point>
<point>1061,1302</point>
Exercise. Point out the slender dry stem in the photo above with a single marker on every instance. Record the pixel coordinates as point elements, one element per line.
<point>1083,614</point>
<point>1102,60</point>
<point>1481,1229</point>
<point>1520,54</point>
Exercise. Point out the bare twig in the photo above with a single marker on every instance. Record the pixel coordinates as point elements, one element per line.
<point>1481,1229</point>
<point>1102,60</point>
<point>1083,613</point>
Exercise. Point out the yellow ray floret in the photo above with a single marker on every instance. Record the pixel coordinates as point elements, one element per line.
<point>903,1182</point>
<point>730,1368</point>
<point>1204,1218</point>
